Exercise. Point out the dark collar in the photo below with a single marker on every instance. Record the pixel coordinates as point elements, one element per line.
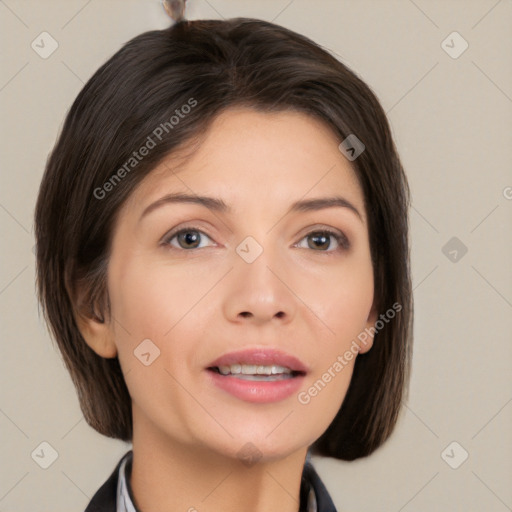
<point>105,498</point>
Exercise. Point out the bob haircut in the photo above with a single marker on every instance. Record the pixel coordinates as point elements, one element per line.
<point>212,65</point>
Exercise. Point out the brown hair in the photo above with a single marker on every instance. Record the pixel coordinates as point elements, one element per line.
<point>217,64</point>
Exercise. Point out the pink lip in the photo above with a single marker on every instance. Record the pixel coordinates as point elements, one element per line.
<point>261,356</point>
<point>258,391</point>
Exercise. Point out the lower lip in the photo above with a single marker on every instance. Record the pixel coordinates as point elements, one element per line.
<point>257,391</point>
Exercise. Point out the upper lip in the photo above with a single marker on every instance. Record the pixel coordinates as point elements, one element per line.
<point>260,356</point>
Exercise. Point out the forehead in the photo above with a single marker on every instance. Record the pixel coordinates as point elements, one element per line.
<point>248,155</point>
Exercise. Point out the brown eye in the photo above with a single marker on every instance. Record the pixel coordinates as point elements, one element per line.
<point>187,238</point>
<point>321,241</point>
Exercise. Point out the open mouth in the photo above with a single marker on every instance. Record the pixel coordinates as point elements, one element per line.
<point>253,372</point>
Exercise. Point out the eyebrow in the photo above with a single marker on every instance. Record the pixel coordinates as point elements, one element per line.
<point>218,205</point>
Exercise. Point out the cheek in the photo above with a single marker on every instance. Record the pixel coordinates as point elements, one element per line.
<point>344,304</point>
<point>160,303</point>
<point>145,307</point>
<point>348,310</point>
<point>342,298</point>
<point>152,298</point>
<point>322,396</point>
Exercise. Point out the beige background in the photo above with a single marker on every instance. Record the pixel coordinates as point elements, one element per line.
<point>452,119</point>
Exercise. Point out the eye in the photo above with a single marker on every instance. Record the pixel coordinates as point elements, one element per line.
<point>321,240</point>
<point>187,238</point>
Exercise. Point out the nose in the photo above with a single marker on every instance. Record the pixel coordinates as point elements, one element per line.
<point>259,292</point>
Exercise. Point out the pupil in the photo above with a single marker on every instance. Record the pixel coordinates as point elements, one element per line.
<point>325,240</point>
<point>189,237</point>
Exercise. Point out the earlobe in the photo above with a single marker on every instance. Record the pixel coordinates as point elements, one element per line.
<point>95,330</point>
<point>97,334</point>
<point>369,331</point>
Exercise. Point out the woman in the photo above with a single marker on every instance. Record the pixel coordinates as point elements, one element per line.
<point>222,257</point>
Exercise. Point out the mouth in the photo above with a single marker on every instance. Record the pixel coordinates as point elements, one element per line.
<point>258,375</point>
<point>262,373</point>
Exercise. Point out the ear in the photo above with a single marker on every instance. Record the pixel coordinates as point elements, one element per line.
<point>96,331</point>
<point>369,329</point>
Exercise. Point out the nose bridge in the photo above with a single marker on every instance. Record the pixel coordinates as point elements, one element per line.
<point>257,288</point>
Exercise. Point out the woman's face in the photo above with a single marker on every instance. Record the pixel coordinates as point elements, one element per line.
<point>258,276</point>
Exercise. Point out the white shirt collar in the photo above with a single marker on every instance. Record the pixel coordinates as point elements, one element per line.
<point>124,502</point>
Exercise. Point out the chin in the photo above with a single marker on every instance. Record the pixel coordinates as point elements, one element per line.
<point>261,447</point>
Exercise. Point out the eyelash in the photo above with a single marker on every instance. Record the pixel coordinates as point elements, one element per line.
<point>341,239</point>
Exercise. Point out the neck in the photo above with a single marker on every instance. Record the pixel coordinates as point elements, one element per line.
<point>169,475</point>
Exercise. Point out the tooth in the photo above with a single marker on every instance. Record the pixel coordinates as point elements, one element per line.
<point>236,368</point>
<point>280,369</point>
<point>249,369</point>
<point>260,378</point>
<point>252,369</point>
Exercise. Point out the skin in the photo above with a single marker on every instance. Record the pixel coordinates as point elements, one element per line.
<point>195,304</point>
